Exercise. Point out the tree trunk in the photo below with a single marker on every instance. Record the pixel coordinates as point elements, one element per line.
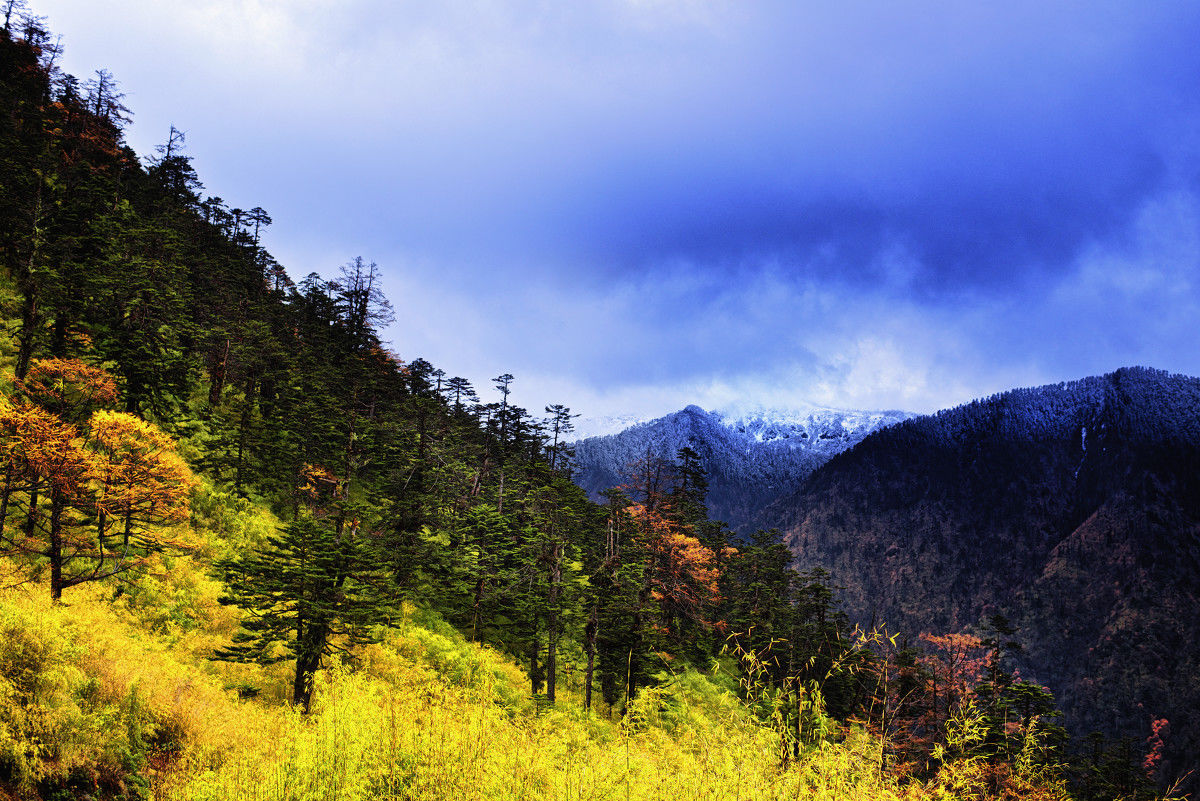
<point>4,495</point>
<point>58,337</point>
<point>535,673</point>
<point>29,327</point>
<point>128,520</point>
<point>476,617</point>
<point>29,293</point>
<point>243,433</point>
<point>417,492</point>
<point>32,512</point>
<point>629,676</point>
<point>551,656</point>
<point>799,720</point>
<point>551,661</point>
<point>56,556</point>
<point>216,382</point>
<point>310,648</point>
<point>589,642</point>
<point>552,622</point>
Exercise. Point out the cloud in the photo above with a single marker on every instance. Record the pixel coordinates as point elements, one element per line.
<point>651,202</point>
<point>766,339</point>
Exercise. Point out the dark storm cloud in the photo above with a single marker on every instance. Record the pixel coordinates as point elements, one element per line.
<point>985,144</point>
<point>988,154</point>
<point>877,203</point>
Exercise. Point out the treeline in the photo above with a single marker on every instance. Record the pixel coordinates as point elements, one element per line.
<point>1080,410</point>
<point>133,291</point>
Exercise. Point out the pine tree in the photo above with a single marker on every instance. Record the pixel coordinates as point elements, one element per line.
<point>560,426</point>
<point>310,591</point>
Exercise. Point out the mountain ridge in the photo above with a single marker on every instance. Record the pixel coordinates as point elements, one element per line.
<point>749,458</point>
<point>1073,509</point>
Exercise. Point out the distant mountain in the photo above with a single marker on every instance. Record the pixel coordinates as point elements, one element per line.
<point>1074,509</point>
<point>751,455</point>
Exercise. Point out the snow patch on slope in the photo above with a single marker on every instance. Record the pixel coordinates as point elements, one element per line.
<point>605,426</point>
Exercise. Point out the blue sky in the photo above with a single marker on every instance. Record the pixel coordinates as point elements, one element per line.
<point>633,205</point>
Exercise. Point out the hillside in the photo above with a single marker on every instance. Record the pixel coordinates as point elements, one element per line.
<point>1073,509</point>
<point>750,456</point>
<point>117,701</point>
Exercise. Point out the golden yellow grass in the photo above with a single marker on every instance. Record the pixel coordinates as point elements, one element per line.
<point>423,715</point>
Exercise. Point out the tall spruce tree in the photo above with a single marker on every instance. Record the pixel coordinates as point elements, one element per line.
<point>312,590</point>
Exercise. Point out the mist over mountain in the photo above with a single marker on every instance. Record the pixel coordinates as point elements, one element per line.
<point>751,455</point>
<point>1074,509</point>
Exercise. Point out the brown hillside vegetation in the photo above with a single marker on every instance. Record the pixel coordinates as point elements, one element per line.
<point>1074,510</point>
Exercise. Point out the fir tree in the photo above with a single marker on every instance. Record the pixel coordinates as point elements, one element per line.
<point>311,591</point>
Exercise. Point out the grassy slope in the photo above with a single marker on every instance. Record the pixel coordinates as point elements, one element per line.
<point>115,697</point>
<point>104,697</point>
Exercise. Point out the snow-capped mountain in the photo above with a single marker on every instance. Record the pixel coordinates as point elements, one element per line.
<point>752,454</point>
<point>813,428</point>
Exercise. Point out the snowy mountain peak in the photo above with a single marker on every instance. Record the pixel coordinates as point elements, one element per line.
<point>813,426</point>
<point>751,454</point>
<point>761,423</point>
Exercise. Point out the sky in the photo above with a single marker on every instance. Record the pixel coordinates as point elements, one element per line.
<point>633,205</point>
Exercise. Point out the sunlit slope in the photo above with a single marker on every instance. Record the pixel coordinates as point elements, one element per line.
<point>106,700</point>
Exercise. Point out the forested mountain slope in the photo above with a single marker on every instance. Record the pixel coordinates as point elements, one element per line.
<point>1073,509</point>
<point>750,458</point>
<point>247,551</point>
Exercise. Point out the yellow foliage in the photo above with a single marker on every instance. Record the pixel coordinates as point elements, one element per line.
<point>140,475</point>
<point>317,482</point>
<point>39,447</point>
<point>90,699</point>
<point>86,699</point>
<point>69,387</point>
<point>426,718</point>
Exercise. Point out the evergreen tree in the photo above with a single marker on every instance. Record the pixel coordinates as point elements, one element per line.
<point>560,426</point>
<point>312,590</point>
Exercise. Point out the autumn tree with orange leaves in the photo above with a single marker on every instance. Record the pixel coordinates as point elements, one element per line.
<point>42,427</point>
<point>69,388</point>
<point>655,582</point>
<point>107,477</point>
<point>681,573</point>
<point>955,663</point>
<point>43,457</point>
<point>140,480</point>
